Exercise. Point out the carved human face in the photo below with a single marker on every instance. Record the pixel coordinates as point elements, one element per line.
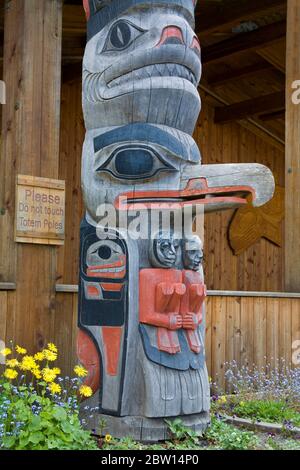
<point>143,67</point>
<point>164,250</point>
<point>192,253</point>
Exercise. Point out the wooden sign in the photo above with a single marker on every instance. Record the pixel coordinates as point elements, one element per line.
<point>40,210</point>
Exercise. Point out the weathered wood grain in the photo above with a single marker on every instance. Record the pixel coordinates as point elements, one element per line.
<point>260,267</point>
<point>32,63</point>
<point>3,315</point>
<point>292,157</point>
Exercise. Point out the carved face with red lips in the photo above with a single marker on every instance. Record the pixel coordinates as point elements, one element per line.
<point>147,60</point>
<point>141,70</point>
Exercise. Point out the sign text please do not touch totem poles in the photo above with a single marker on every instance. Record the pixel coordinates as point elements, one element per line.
<point>40,210</point>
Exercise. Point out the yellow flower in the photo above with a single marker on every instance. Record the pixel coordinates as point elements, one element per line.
<point>6,352</point>
<point>21,350</point>
<point>39,356</point>
<point>10,374</point>
<point>12,363</point>
<point>48,375</point>
<point>108,438</point>
<point>85,391</point>
<point>37,373</point>
<point>28,363</point>
<point>54,388</point>
<point>56,370</point>
<point>49,355</point>
<point>52,347</point>
<point>222,400</point>
<point>80,371</point>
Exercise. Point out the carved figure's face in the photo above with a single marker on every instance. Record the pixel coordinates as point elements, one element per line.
<point>143,67</point>
<point>140,101</point>
<point>192,253</point>
<point>105,259</point>
<point>164,252</point>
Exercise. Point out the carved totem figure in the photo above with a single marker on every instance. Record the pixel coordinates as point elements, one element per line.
<point>141,300</point>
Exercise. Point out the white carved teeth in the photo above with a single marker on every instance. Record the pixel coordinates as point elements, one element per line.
<point>109,270</point>
<point>156,70</point>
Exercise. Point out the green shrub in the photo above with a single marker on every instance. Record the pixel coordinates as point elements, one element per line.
<point>267,410</point>
<point>39,409</point>
<point>226,437</point>
<point>37,423</point>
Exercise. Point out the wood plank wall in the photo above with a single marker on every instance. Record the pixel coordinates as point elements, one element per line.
<point>260,268</point>
<point>30,137</point>
<point>246,329</point>
<point>71,141</point>
<point>252,331</point>
<point>292,159</point>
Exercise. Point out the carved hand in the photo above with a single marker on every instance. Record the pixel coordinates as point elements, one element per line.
<point>190,321</point>
<point>175,321</point>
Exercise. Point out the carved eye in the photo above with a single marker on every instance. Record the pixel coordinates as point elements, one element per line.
<point>103,252</point>
<point>121,35</point>
<point>133,162</point>
<point>165,245</point>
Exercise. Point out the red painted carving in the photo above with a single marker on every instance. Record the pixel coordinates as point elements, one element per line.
<point>86,7</point>
<point>93,291</point>
<point>194,193</point>
<point>116,270</point>
<point>160,294</point>
<point>171,300</point>
<point>171,32</point>
<point>191,307</point>
<point>116,287</point>
<point>112,344</point>
<point>196,45</point>
<point>88,356</point>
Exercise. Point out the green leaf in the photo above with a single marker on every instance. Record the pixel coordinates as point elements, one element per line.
<point>59,414</point>
<point>36,437</point>
<point>53,444</point>
<point>36,423</point>
<point>67,427</point>
<point>9,441</point>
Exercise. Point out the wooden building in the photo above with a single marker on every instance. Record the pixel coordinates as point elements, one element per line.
<point>251,64</point>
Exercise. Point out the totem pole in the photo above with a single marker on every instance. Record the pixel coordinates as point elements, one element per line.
<point>141,299</point>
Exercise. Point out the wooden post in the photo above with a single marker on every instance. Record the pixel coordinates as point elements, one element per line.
<point>30,136</point>
<point>292,159</point>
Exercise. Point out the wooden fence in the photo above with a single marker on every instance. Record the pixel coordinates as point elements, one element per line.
<point>251,330</point>
<point>246,327</point>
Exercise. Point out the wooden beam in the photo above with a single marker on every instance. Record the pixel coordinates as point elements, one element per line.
<point>30,146</point>
<point>74,21</point>
<point>272,116</point>
<point>275,54</point>
<point>7,286</point>
<point>251,107</point>
<point>231,13</point>
<point>292,159</point>
<point>236,74</point>
<point>244,42</point>
<point>252,124</point>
